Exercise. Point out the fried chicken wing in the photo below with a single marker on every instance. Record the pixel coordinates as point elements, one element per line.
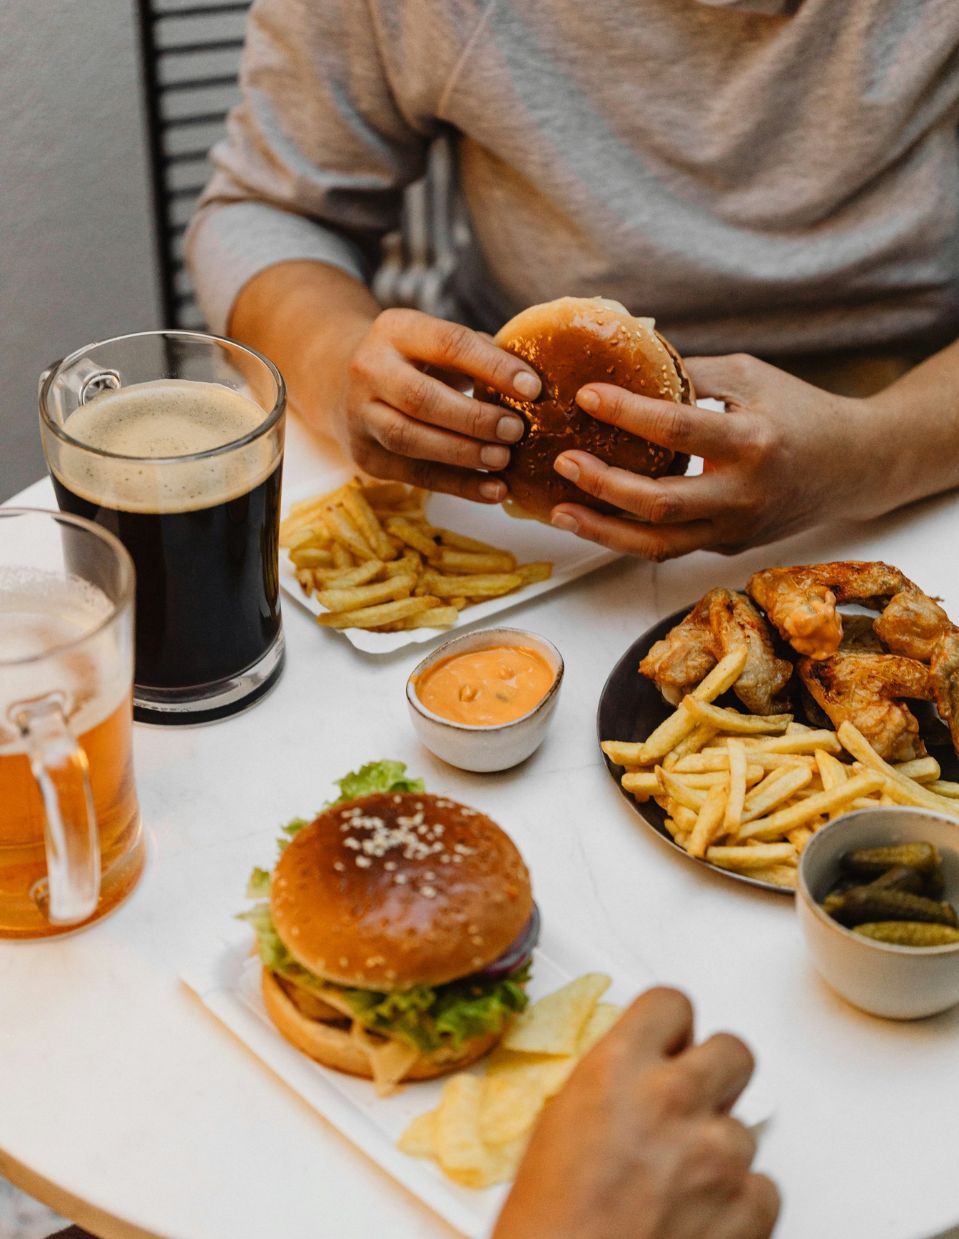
<point>912,624</point>
<point>801,602</point>
<point>944,679</point>
<point>685,655</point>
<point>720,622</point>
<point>864,689</point>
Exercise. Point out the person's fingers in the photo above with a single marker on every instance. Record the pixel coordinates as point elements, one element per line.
<point>455,347</point>
<point>718,1070</point>
<point>465,483</point>
<point>654,542</point>
<point>669,500</point>
<point>429,400</point>
<point>658,1022</point>
<point>751,1213</point>
<point>736,378</point>
<point>681,427</point>
<point>408,436</point>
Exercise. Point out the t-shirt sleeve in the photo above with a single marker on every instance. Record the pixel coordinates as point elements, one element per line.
<point>316,155</point>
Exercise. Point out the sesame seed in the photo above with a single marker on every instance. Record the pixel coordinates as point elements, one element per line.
<point>363,862</point>
<point>400,879</point>
<point>339,866</point>
<point>390,866</point>
<point>429,892</point>
<point>344,962</point>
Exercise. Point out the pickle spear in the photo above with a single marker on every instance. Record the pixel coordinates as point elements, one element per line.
<point>863,904</point>
<point>909,933</point>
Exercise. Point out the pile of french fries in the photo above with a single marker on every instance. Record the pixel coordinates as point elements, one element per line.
<point>746,792</point>
<point>368,554</point>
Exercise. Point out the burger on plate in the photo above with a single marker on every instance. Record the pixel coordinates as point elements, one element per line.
<point>396,931</point>
<point>569,342</point>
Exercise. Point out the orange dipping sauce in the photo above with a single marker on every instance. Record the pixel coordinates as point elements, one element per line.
<point>485,688</point>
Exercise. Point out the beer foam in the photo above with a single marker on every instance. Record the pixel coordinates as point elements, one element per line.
<point>162,419</point>
<point>45,613</point>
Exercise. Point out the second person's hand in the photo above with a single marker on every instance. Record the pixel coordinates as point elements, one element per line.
<point>782,457</point>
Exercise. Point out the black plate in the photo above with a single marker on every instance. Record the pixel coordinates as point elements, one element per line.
<point>630,707</point>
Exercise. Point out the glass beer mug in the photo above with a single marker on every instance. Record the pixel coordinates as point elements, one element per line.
<point>71,844</point>
<point>173,440</point>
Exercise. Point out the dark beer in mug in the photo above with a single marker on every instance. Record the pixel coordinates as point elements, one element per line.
<point>176,468</point>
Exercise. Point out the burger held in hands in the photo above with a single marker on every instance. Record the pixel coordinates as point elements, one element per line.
<point>396,931</point>
<point>570,342</point>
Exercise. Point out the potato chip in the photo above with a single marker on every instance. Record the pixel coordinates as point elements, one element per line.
<point>419,1138</point>
<point>551,1070</point>
<point>604,1015</point>
<point>510,1105</point>
<point>553,1025</point>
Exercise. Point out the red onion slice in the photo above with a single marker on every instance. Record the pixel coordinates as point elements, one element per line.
<point>515,955</point>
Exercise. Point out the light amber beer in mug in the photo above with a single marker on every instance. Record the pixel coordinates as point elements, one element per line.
<point>71,845</point>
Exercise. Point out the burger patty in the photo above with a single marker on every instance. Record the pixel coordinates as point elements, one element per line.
<point>311,1005</point>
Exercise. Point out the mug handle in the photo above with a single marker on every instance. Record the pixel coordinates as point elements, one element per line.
<point>72,887</point>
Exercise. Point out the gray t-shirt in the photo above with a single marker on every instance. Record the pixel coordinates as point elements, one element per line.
<point>761,175</point>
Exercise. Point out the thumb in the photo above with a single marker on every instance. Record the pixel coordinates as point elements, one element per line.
<point>736,378</point>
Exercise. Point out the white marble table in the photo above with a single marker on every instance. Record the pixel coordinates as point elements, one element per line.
<point>127,1107</point>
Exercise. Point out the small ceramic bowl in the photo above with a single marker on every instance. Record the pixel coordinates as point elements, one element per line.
<point>484,749</point>
<point>898,982</point>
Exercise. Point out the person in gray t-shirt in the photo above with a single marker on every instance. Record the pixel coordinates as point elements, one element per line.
<point>774,179</point>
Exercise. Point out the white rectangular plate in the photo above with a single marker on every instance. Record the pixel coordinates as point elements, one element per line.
<point>527,540</point>
<point>228,985</point>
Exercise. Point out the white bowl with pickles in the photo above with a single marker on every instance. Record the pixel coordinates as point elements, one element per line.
<point>483,701</point>
<point>877,897</point>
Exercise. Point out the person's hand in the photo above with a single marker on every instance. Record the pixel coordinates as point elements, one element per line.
<point>640,1143</point>
<point>404,417</point>
<point>783,456</point>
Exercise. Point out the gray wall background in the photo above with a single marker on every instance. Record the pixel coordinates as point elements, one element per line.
<point>76,256</point>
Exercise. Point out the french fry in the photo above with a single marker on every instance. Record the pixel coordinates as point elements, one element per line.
<point>897,784</point>
<point>690,745</point>
<point>723,676</point>
<point>831,771</point>
<point>692,797</point>
<point>453,561</point>
<point>407,532</point>
<point>642,783</point>
<point>367,522</point>
<point>356,596</point>
<point>944,787</point>
<point>345,578</point>
<point>373,617</point>
<point>733,810</point>
<point>341,556</point>
<point>799,742</point>
<point>311,557</point>
<point>731,720</point>
<point>709,822</point>
<point>434,617</point>
<point>746,858</point>
<point>458,541</point>
<point>536,570</point>
<point>921,769</point>
<point>489,585</point>
<point>777,787</point>
<point>344,531</point>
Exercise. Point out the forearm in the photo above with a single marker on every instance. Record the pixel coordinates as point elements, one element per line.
<point>307,317</point>
<point>914,424</point>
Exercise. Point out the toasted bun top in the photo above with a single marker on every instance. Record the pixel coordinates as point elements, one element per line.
<point>569,342</point>
<point>393,890</point>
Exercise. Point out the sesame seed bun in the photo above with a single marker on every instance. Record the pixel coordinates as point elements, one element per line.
<point>569,342</point>
<point>399,889</point>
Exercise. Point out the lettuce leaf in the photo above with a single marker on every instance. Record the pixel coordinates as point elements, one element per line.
<point>423,1016</point>
<point>375,776</point>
